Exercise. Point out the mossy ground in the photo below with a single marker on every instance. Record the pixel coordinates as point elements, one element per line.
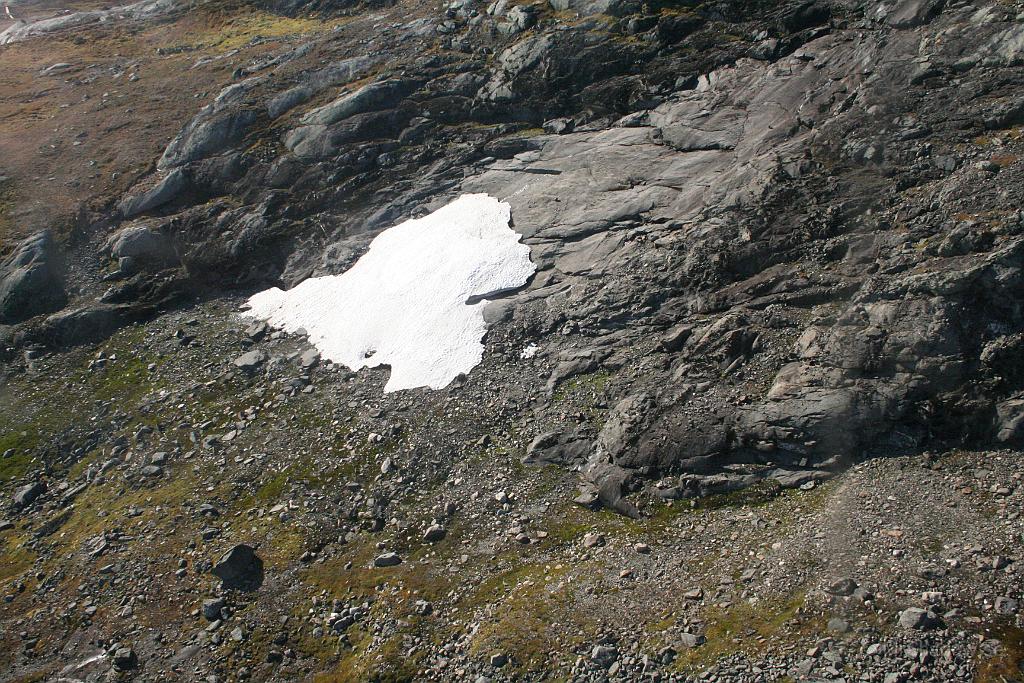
<point>1008,664</point>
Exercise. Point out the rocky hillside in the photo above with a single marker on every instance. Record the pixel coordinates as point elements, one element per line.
<point>755,417</point>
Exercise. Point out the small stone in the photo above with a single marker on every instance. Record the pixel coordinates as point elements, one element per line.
<point>387,560</point>
<point>837,625</point>
<point>208,510</point>
<point>240,568</point>
<point>691,640</point>
<point>642,548</point>
<point>559,126</point>
<point>212,608</point>
<point>604,655</point>
<point>863,594</point>
<point>250,360</point>
<point>1005,605</point>
<point>434,533</point>
<point>844,586</point>
<point>310,358</point>
<point>499,660</point>
<point>918,619</point>
<point>28,493</point>
<point>593,540</point>
<point>124,658</point>
<point>152,471</point>
<point>256,330</point>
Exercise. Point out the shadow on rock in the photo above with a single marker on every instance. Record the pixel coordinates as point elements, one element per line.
<point>240,569</point>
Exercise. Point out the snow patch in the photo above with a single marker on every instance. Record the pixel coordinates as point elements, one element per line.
<point>413,301</point>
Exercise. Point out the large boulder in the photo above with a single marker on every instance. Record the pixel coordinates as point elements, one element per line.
<point>167,189</point>
<point>142,243</point>
<point>30,280</point>
<point>81,325</point>
<point>27,494</point>
<point>240,569</point>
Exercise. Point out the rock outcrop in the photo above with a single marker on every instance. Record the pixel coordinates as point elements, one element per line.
<point>792,250</point>
<point>31,280</point>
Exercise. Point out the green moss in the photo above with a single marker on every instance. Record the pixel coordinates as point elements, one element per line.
<point>758,494</point>
<point>16,558</point>
<point>1008,663</point>
<point>530,605</point>
<point>588,385</point>
<point>273,488</point>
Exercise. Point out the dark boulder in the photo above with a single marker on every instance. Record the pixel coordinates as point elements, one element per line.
<point>81,325</point>
<point>240,569</point>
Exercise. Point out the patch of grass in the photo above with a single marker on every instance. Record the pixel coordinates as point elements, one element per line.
<point>746,628</point>
<point>105,506</point>
<point>567,523</point>
<point>391,591</point>
<point>244,27</point>
<point>589,384</point>
<point>20,462</point>
<point>16,558</point>
<point>37,414</point>
<point>273,488</point>
<point>529,602</point>
<point>760,493</point>
<point>35,677</point>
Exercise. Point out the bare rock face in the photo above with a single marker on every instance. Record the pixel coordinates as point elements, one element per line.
<point>776,244</point>
<point>31,280</point>
<point>218,127</point>
<point>164,191</point>
<point>783,252</point>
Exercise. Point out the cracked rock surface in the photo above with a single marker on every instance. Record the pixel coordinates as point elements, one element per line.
<point>756,416</point>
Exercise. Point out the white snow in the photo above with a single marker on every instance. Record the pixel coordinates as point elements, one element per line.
<point>403,303</point>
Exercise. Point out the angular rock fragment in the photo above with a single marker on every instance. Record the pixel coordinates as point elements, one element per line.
<point>27,494</point>
<point>387,560</point>
<point>240,568</point>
